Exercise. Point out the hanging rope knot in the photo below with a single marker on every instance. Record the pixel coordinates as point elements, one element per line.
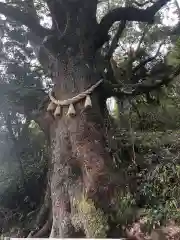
<point>56,105</point>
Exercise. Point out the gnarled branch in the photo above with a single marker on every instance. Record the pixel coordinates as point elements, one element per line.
<point>120,90</point>
<point>147,60</point>
<point>127,14</point>
<point>114,43</point>
<point>115,39</point>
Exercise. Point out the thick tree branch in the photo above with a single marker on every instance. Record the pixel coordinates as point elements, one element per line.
<point>141,39</point>
<point>120,90</point>
<point>114,43</point>
<point>147,60</point>
<point>127,14</point>
<point>115,39</point>
<point>24,18</point>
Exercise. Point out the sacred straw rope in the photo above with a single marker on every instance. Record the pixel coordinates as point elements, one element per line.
<point>76,98</point>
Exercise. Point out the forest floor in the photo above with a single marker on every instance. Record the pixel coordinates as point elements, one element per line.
<point>169,232</point>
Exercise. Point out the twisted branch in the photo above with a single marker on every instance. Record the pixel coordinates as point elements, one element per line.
<point>147,60</point>
<point>127,14</point>
<point>120,90</point>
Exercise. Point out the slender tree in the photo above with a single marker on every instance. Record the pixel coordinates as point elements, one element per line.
<point>83,183</point>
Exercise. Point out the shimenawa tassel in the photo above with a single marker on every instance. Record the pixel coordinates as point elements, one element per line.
<point>57,111</point>
<point>88,103</point>
<point>71,111</point>
<point>51,107</point>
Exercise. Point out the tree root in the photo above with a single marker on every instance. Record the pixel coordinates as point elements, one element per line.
<point>44,231</point>
<point>42,225</point>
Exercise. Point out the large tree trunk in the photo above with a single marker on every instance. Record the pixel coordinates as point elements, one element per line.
<point>81,165</point>
<point>81,181</point>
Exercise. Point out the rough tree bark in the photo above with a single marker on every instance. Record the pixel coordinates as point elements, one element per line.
<point>82,178</point>
<point>80,163</point>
